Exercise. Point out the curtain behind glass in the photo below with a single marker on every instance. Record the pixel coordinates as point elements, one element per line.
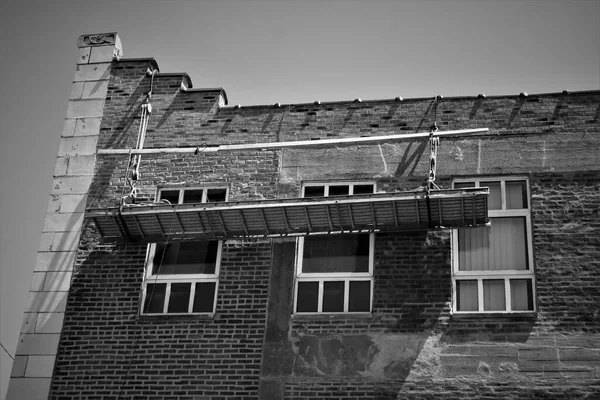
<point>499,247</point>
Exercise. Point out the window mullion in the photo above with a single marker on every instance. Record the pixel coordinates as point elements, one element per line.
<point>346,295</point>
<point>480,307</point>
<point>508,300</point>
<point>320,303</point>
<point>167,298</point>
<point>192,296</point>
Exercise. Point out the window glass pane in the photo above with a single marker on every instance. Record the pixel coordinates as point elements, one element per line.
<point>339,190</point>
<point>308,297</point>
<point>336,253</point>
<point>516,194</point>
<point>171,195</point>
<point>155,298</point>
<point>314,191</point>
<point>185,258</point>
<point>521,294</point>
<point>204,299</point>
<point>460,185</point>
<point>495,198</point>
<point>493,295</point>
<point>333,296</point>
<point>360,296</point>
<point>179,299</point>
<point>503,246</point>
<point>363,189</point>
<point>192,196</point>
<point>466,295</point>
<point>216,195</point>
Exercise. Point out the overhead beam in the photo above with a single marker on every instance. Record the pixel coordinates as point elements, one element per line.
<point>299,143</point>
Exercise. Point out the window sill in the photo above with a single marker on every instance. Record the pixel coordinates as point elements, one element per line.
<point>186,317</point>
<point>494,315</point>
<point>331,316</point>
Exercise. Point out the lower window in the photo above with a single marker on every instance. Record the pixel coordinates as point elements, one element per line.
<point>334,274</point>
<point>493,266</point>
<point>182,278</point>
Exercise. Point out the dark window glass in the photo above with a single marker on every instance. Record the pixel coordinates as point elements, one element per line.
<point>314,191</point>
<point>360,296</point>
<point>205,297</point>
<point>521,294</point>
<point>172,196</point>
<point>179,299</point>
<point>339,190</point>
<point>308,297</point>
<point>216,195</point>
<point>155,298</point>
<point>495,197</point>
<point>516,195</point>
<point>363,189</point>
<point>185,258</point>
<point>460,185</point>
<point>466,295</point>
<point>192,196</point>
<point>493,295</point>
<point>333,296</point>
<point>336,253</point>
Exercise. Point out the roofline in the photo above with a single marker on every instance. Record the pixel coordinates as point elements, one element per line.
<point>417,99</point>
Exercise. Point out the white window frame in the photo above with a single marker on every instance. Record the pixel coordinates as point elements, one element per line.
<point>346,277</point>
<point>192,279</point>
<point>505,275</point>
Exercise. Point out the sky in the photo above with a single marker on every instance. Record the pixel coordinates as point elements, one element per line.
<point>264,52</point>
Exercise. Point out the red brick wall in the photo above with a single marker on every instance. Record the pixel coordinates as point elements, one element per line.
<point>411,346</point>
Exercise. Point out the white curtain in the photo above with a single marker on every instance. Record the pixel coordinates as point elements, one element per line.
<point>503,246</point>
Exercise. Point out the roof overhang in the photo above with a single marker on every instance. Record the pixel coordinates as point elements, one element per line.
<point>380,212</point>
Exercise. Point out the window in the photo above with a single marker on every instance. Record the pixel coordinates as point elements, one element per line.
<point>334,273</point>
<point>493,266</point>
<point>182,277</point>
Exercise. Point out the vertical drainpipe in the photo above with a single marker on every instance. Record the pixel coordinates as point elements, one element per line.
<point>45,309</point>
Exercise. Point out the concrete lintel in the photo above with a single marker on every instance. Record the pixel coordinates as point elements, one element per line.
<point>57,281</point>
<point>28,324</point>
<point>66,241</point>
<point>29,388</point>
<point>85,108</point>
<point>37,282</point>
<point>88,126</point>
<point>81,165</point>
<point>49,322</point>
<point>63,222</point>
<point>19,366</point>
<point>60,166</point>
<point>68,127</point>
<point>46,302</point>
<point>72,202</point>
<point>85,145</point>
<point>40,366</point>
<point>38,344</point>
<point>55,261</point>
<point>84,55</point>
<point>103,54</point>
<point>92,72</point>
<point>46,241</point>
<point>67,185</point>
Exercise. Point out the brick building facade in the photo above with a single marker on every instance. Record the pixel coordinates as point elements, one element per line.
<point>506,310</point>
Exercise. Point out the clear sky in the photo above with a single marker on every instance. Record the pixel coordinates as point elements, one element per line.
<point>263,52</point>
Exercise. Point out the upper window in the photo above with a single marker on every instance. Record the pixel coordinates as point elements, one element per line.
<point>182,277</point>
<point>334,273</point>
<point>493,266</point>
